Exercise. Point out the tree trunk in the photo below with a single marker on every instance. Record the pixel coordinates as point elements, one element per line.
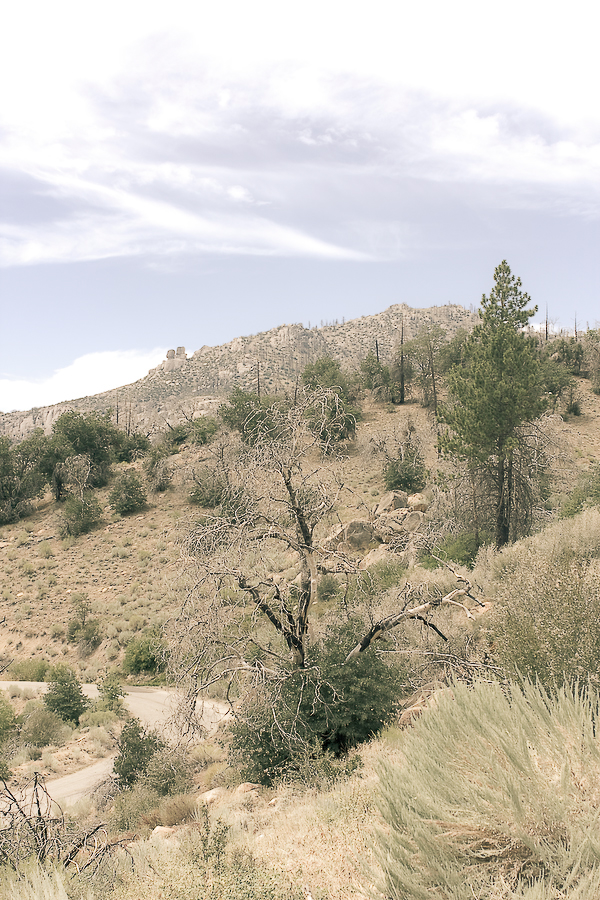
<point>502,502</point>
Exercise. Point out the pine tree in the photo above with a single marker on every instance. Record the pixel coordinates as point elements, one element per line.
<point>493,392</point>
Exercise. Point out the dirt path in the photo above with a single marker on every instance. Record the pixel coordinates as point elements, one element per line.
<point>152,706</point>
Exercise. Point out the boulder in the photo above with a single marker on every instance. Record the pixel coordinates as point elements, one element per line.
<point>212,796</point>
<point>418,503</point>
<point>413,522</point>
<point>355,535</point>
<point>381,554</point>
<point>390,501</point>
<point>246,786</point>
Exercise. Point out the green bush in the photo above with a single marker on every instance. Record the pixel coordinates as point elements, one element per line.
<point>328,588</point>
<point>255,418</point>
<point>136,747</point>
<point>131,446</point>
<point>585,493</point>
<point>496,797</point>
<point>313,718</point>
<point>8,719</point>
<point>546,621</point>
<point>209,490</point>
<point>81,516</point>
<point>459,548</point>
<point>145,655</point>
<point>406,472</point>
<point>158,469</point>
<point>29,670</point>
<point>64,695</point>
<point>168,773</point>
<point>82,630</point>
<point>42,727</point>
<point>203,430</point>
<point>111,694</point>
<point>128,495</point>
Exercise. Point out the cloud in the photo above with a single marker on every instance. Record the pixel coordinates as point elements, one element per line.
<point>172,136</point>
<point>88,374</point>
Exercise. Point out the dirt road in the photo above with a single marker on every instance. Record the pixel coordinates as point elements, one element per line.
<point>152,706</point>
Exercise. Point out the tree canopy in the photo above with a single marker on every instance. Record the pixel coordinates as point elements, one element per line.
<point>493,393</point>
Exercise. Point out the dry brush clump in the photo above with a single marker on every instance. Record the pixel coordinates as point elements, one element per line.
<point>496,797</point>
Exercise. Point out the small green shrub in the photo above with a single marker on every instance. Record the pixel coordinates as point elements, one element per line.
<point>42,727</point>
<point>159,471</point>
<point>80,516</point>
<point>145,655</point>
<point>29,670</point>
<point>586,492</point>
<point>209,490</point>
<point>168,773</point>
<point>459,548</point>
<point>407,471</point>
<point>328,588</point>
<point>136,746</point>
<point>8,719</point>
<point>82,630</point>
<point>128,495</point>
<point>203,430</point>
<point>111,693</point>
<point>64,695</point>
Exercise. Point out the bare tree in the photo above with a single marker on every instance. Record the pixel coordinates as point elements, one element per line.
<point>253,563</point>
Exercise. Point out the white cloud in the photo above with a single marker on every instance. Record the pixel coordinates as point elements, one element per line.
<point>89,374</point>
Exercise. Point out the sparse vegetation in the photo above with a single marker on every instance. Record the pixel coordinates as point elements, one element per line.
<point>267,569</point>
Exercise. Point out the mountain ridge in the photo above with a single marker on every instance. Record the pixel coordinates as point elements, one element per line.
<point>186,386</point>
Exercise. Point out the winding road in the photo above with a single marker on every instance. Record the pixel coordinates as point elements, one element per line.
<point>154,707</point>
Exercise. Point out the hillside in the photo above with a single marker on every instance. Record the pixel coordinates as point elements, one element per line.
<point>194,383</point>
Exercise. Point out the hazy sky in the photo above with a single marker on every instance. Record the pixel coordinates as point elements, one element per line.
<point>180,173</point>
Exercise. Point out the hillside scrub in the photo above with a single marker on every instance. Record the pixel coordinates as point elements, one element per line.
<point>496,797</point>
<point>546,619</point>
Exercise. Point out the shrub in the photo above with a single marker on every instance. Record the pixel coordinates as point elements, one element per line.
<point>131,446</point>
<point>496,797</point>
<point>168,773</point>
<point>460,548</point>
<point>64,695</point>
<point>209,490</point>
<point>29,670</point>
<point>136,746</point>
<point>586,492</point>
<point>83,631</point>
<point>316,715</point>
<point>128,494</point>
<point>546,623</point>
<point>42,727</point>
<point>203,429</point>
<point>80,515</point>
<point>255,418</point>
<point>328,588</point>
<point>158,469</point>
<point>111,693</point>
<point>8,720</point>
<point>406,472</point>
<point>146,654</point>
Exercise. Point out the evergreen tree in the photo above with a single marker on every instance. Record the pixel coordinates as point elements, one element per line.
<point>493,392</point>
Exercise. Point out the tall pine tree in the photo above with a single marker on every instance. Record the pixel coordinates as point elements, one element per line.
<point>492,394</point>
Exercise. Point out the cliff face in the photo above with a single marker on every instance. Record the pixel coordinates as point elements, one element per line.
<point>191,385</point>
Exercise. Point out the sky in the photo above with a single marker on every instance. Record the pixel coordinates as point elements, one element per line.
<point>178,174</point>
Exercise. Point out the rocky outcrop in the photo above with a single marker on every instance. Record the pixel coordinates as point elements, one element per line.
<point>277,357</point>
<point>353,536</point>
